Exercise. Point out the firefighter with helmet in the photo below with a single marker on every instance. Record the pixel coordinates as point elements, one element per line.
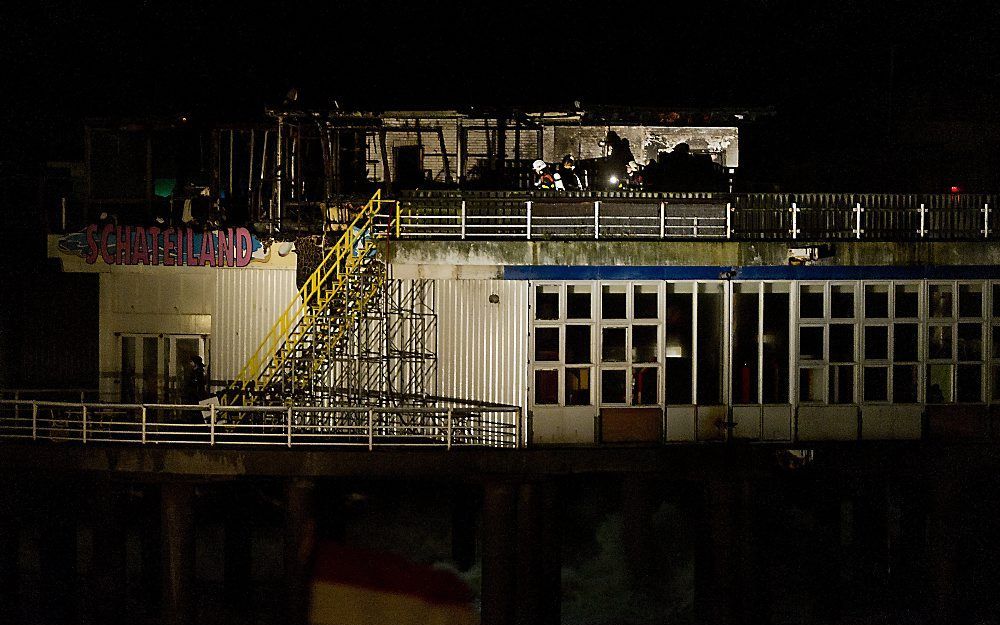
<point>543,179</point>
<point>633,177</point>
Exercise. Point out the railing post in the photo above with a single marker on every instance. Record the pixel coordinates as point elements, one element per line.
<point>695,227</point>
<point>923,220</point>
<point>795,220</point>
<point>288,426</point>
<point>84,416</point>
<point>142,426</point>
<point>986,221</point>
<point>211,424</point>
<point>597,219</point>
<point>449,427</point>
<point>463,219</point>
<point>34,420</point>
<point>857,220</point>
<point>729,220</point>
<point>371,428</point>
<point>663,218</point>
<point>529,219</point>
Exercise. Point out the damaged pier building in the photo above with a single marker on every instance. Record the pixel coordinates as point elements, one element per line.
<point>387,297</point>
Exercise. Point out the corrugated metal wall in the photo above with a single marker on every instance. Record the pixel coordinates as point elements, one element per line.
<point>483,347</point>
<point>247,303</point>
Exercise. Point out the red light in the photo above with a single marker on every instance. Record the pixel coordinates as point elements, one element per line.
<point>955,189</point>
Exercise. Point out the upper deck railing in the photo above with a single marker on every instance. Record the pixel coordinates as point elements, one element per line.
<point>698,215</point>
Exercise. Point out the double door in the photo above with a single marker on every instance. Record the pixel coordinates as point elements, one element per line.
<point>155,367</point>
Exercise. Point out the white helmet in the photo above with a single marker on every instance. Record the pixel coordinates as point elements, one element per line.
<point>539,166</point>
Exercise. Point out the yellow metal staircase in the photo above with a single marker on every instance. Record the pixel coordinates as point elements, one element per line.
<point>290,363</point>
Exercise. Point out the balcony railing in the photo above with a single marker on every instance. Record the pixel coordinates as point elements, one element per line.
<point>445,426</point>
<point>720,216</point>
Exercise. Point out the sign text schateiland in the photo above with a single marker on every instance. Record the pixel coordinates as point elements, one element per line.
<point>138,245</point>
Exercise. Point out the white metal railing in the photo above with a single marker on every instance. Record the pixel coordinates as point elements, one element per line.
<point>754,216</point>
<point>525,220</point>
<point>288,426</point>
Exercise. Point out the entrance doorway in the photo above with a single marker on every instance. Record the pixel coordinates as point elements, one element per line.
<point>154,367</point>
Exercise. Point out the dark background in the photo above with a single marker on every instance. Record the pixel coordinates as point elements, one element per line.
<point>868,96</point>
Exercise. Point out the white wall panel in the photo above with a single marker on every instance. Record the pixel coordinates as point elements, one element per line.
<point>483,347</point>
<point>247,303</point>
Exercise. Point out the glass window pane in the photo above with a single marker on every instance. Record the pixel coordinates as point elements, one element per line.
<point>679,322</point>
<point>996,342</point>
<point>938,384</point>
<point>677,372</point>
<point>876,301</point>
<point>811,384</point>
<point>904,384</point>
<point>939,342</point>
<point>970,341</point>
<point>842,301</point>
<point>710,330</point>
<point>150,369</point>
<point>546,344</point>
<point>940,300</point>
<point>644,386</point>
<point>907,300</point>
<point>645,345</point>
<point>996,300</point>
<point>578,301</point>
<point>613,345</point>
<point>970,384</point>
<point>876,384</point>
<point>841,342</point>
<point>613,302</point>
<point>811,343</point>
<point>645,302</point>
<point>904,342</point>
<point>876,342</point>
<point>996,383</point>
<point>775,345</point>
<point>577,386</point>
<point>841,384</point>
<point>811,301</point>
<point>577,344</point>
<point>613,386</point>
<point>745,335</point>
<point>129,377</point>
<point>547,301</point>
<point>970,300</point>
<point>546,386</point>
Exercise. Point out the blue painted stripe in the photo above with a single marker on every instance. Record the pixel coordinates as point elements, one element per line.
<point>756,272</point>
<point>611,272</point>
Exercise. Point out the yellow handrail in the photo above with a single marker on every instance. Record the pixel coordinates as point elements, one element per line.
<point>316,292</point>
<point>281,355</point>
<point>354,312</point>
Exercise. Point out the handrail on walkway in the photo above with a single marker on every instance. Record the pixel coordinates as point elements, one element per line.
<point>289,426</point>
<point>747,216</point>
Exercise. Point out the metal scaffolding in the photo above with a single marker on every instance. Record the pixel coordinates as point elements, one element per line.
<point>351,336</point>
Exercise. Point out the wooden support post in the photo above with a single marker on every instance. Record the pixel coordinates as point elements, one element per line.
<point>499,541</point>
<point>177,533</point>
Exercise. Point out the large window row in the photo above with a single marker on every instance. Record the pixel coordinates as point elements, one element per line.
<point>660,343</point>
<point>627,343</point>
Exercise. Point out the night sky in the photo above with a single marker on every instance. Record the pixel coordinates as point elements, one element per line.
<point>867,95</point>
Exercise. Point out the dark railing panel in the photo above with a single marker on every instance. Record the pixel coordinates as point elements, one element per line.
<point>567,219</point>
<point>621,219</point>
